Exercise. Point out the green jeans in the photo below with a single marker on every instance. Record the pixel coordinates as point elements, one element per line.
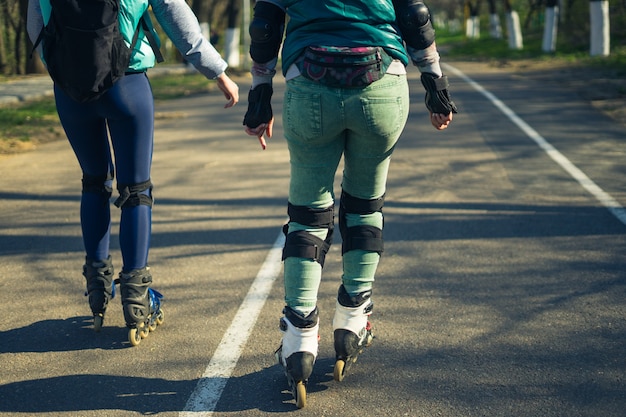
<point>321,125</point>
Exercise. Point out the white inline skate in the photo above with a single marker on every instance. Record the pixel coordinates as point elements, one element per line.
<point>352,330</point>
<point>298,350</point>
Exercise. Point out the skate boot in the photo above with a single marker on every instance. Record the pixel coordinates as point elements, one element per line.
<point>351,329</point>
<point>298,350</point>
<point>141,304</point>
<point>100,288</point>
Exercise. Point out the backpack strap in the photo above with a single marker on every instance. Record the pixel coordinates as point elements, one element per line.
<point>37,42</point>
<point>147,27</point>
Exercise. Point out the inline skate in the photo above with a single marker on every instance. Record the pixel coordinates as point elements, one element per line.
<point>298,350</point>
<point>352,330</point>
<point>100,288</point>
<point>141,304</point>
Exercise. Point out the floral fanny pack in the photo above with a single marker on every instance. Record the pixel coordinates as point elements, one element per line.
<point>344,67</point>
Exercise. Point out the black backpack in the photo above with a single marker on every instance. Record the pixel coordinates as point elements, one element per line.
<point>83,48</point>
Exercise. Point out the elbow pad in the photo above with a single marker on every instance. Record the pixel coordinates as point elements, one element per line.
<point>413,18</point>
<point>266,32</point>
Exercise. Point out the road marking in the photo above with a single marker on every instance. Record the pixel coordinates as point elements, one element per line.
<point>209,389</point>
<point>603,197</point>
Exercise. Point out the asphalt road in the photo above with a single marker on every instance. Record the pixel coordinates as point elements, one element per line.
<point>500,293</point>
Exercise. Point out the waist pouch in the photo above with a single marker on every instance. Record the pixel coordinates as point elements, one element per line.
<point>343,66</point>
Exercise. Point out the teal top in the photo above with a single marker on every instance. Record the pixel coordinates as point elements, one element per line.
<point>340,23</point>
<point>175,18</point>
<point>131,12</point>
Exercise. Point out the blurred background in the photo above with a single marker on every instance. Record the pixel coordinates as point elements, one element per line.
<point>472,28</point>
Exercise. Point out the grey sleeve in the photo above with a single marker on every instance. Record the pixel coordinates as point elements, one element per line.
<point>34,20</point>
<point>182,27</point>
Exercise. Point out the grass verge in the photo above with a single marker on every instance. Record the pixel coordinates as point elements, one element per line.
<point>24,126</point>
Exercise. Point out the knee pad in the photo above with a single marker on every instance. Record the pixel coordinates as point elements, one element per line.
<point>266,32</point>
<point>98,184</point>
<point>413,18</point>
<point>302,244</point>
<point>132,195</point>
<point>364,237</point>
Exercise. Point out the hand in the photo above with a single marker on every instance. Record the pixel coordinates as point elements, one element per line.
<point>440,121</point>
<point>259,119</point>
<point>262,130</point>
<point>229,88</point>
<point>437,96</point>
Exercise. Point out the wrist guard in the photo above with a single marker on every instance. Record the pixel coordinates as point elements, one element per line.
<point>259,106</point>
<point>437,97</point>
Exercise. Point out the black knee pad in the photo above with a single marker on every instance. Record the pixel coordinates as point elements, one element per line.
<point>413,18</point>
<point>132,195</point>
<point>266,32</point>
<point>97,184</point>
<point>301,244</point>
<point>364,237</point>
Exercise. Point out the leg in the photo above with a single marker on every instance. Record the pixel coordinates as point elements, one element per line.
<point>86,132</point>
<point>315,147</point>
<point>378,115</point>
<point>130,115</point>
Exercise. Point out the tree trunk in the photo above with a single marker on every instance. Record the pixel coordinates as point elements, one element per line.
<point>600,27</point>
<point>231,47</point>
<point>495,29</point>
<point>551,25</point>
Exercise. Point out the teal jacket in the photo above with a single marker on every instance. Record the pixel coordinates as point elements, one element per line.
<point>131,12</point>
<point>340,23</point>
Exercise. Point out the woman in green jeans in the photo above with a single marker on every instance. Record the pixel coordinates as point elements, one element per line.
<point>347,95</point>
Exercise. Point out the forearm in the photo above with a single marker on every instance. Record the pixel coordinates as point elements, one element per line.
<point>182,27</point>
<point>426,60</point>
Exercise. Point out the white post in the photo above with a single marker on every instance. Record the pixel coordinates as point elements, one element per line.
<point>472,30</point>
<point>231,47</point>
<point>514,30</point>
<point>246,34</point>
<point>494,26</point>
<point>600,27</point>
<point>550,28</point>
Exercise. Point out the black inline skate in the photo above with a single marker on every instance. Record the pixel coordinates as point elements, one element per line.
<point>351,329</point>
<point>100,288</point>
<point>298,350</point>
<point>141,304</point>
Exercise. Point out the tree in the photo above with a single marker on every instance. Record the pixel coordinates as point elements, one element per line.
<point>550,26</point>
<point>513,27</point>
<point>231,48</point>
<point>600,27</point>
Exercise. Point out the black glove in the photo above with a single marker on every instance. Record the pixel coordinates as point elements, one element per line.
<point>259,106</point>
<point>437,96</point>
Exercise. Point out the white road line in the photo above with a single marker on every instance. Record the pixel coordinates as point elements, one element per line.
<point>603,197</point>
<point>209,389</point>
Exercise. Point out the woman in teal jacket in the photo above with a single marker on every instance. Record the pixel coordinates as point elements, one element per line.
<point>126,114</point>
<point>347,95</point>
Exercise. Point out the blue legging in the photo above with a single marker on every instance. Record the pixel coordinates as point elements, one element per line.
<point>126,112</point>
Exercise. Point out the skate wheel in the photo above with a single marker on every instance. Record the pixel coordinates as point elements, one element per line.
<point>144,331</point>
<point>160,317</point>
<point>98,320</point>
<point>134,337</point>
<point>339,372</point>
<point>299,394</point>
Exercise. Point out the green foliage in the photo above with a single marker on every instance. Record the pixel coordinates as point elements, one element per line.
<point>18,121</point>
<point>180,85</point>
<point>457,47</point>
<point>38,121</point>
